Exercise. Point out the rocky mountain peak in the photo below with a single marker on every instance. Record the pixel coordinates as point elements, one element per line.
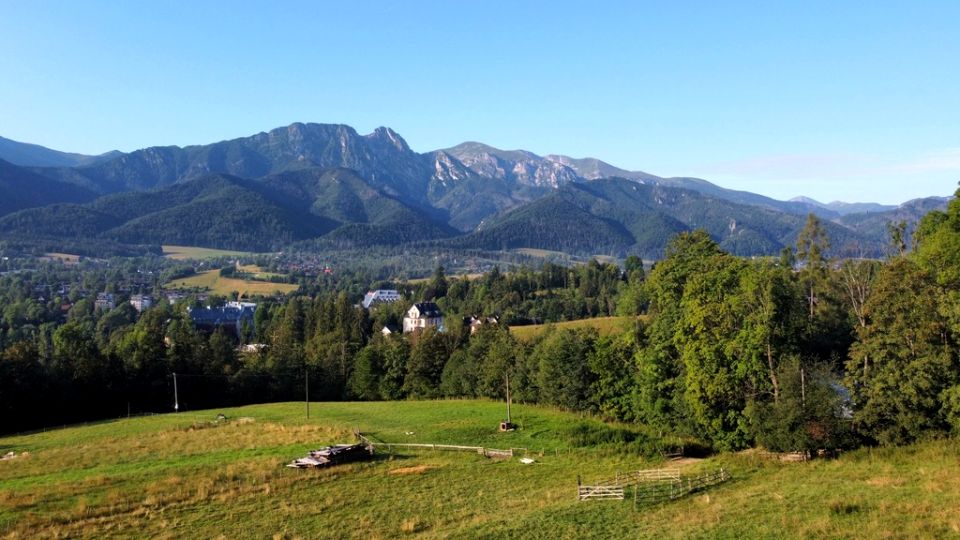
<point>385,135</point>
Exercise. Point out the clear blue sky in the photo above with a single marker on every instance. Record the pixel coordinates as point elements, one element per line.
<point>834,100</point>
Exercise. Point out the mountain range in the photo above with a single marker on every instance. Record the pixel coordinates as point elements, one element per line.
<point>324,181</point>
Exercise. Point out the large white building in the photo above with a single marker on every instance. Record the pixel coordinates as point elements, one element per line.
<point>423,315</point>
<point>380,296</point>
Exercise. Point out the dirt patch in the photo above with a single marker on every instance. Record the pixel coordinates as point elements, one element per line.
<point>685,461</point>
<point>419,469</point>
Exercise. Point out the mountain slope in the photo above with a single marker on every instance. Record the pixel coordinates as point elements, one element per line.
<point>618,216</point>
<point>20,189</point>
<point>34,155</point>
<point>526,168</point>
<point>224,211</point>
<point>382,158</point>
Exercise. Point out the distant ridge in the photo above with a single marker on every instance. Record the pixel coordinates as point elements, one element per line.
<point>329,183</point>
<point>34,155</point>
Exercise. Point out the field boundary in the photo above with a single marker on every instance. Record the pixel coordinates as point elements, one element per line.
<point>650,486</point>
<point>486,452</point>
<point>657,492</point>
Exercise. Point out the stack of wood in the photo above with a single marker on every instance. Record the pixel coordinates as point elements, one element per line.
<point>333,455</point>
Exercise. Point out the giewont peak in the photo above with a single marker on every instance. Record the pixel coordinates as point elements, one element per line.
<point>390,137</point>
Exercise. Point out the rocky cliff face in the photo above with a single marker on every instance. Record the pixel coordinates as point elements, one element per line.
<point>518,167</point>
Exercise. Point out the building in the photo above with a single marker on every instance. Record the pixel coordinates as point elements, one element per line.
<point>141,302</point>
<point>233,316</point>
<point>476,322</point>
<point>423,315</point>
<point>388,330</point>
<point>380,296</point>
<point>105,301</point>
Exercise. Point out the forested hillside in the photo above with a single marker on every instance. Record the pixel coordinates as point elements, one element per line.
<point>20,189</point>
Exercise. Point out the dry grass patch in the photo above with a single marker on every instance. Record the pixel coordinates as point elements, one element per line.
<point>418,469</point>
<point>213,282</point>
<point>886,481</point>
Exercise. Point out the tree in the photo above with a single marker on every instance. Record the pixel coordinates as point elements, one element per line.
<point>812,244</point>
<point>428,356</point>
<point>660,371</point>
<point>22,385</point>
<point>614,376</point>
<point>904,358</point>
<point>767,303</point>
<point>809,415</point>
<point>716,379</point>
<point>563,375</point>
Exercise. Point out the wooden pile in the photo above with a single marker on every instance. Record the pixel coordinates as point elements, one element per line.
<point>333,455</point>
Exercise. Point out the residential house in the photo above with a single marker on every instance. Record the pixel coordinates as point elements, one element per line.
<point>105,301</point>
<point>476,322</point>
<point>141,302</point>
<point>423,315</point>
<point>388,330</point>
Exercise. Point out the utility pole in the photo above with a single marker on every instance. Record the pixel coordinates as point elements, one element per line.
<point>803,389</point>
<point>508,398</point>
<point>176,398</point>
<point>306,388</point>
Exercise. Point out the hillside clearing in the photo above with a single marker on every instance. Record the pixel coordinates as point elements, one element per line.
<point>606,326</point>
<point>182,253</point>
<point>163,476</point>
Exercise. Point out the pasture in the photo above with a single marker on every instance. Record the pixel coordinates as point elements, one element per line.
<point>177,475</point>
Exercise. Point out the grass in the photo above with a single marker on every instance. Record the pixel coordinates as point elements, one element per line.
<point>212,281</point>
<point>182,253</point>
<point>533,252</point>
<point>604,325</point>
<point>467,276</point>
<point>157,477</point>
<point>257,272</point>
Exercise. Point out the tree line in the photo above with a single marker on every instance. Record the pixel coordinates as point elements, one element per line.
<point>797,352</point>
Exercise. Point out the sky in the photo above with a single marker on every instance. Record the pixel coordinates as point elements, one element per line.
<point>852,101</point>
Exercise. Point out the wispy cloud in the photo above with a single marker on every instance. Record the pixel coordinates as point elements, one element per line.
<point>941,161</point>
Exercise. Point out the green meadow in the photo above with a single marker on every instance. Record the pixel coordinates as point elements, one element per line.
<point>182,475</point>
<point>605,326</point>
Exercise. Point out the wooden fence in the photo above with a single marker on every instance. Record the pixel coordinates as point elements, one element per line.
<point>658,492</point>
<point>487,452</point>
<point>650,486</point>
<point>599,492</point>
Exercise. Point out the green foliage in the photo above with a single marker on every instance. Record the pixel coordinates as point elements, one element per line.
<point>808,416</point>
<point>904,358</point>
<point>563,377</point>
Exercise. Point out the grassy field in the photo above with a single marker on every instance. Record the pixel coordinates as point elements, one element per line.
<point>65,258</point>
<point>468,277</point>
<point>213,282</point>
<point>182,253</point>
<point>160,477</point>
<point>604,325</point>
<point>256,271</point>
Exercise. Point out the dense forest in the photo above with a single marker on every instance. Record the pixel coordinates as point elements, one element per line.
<point>796,352</point>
